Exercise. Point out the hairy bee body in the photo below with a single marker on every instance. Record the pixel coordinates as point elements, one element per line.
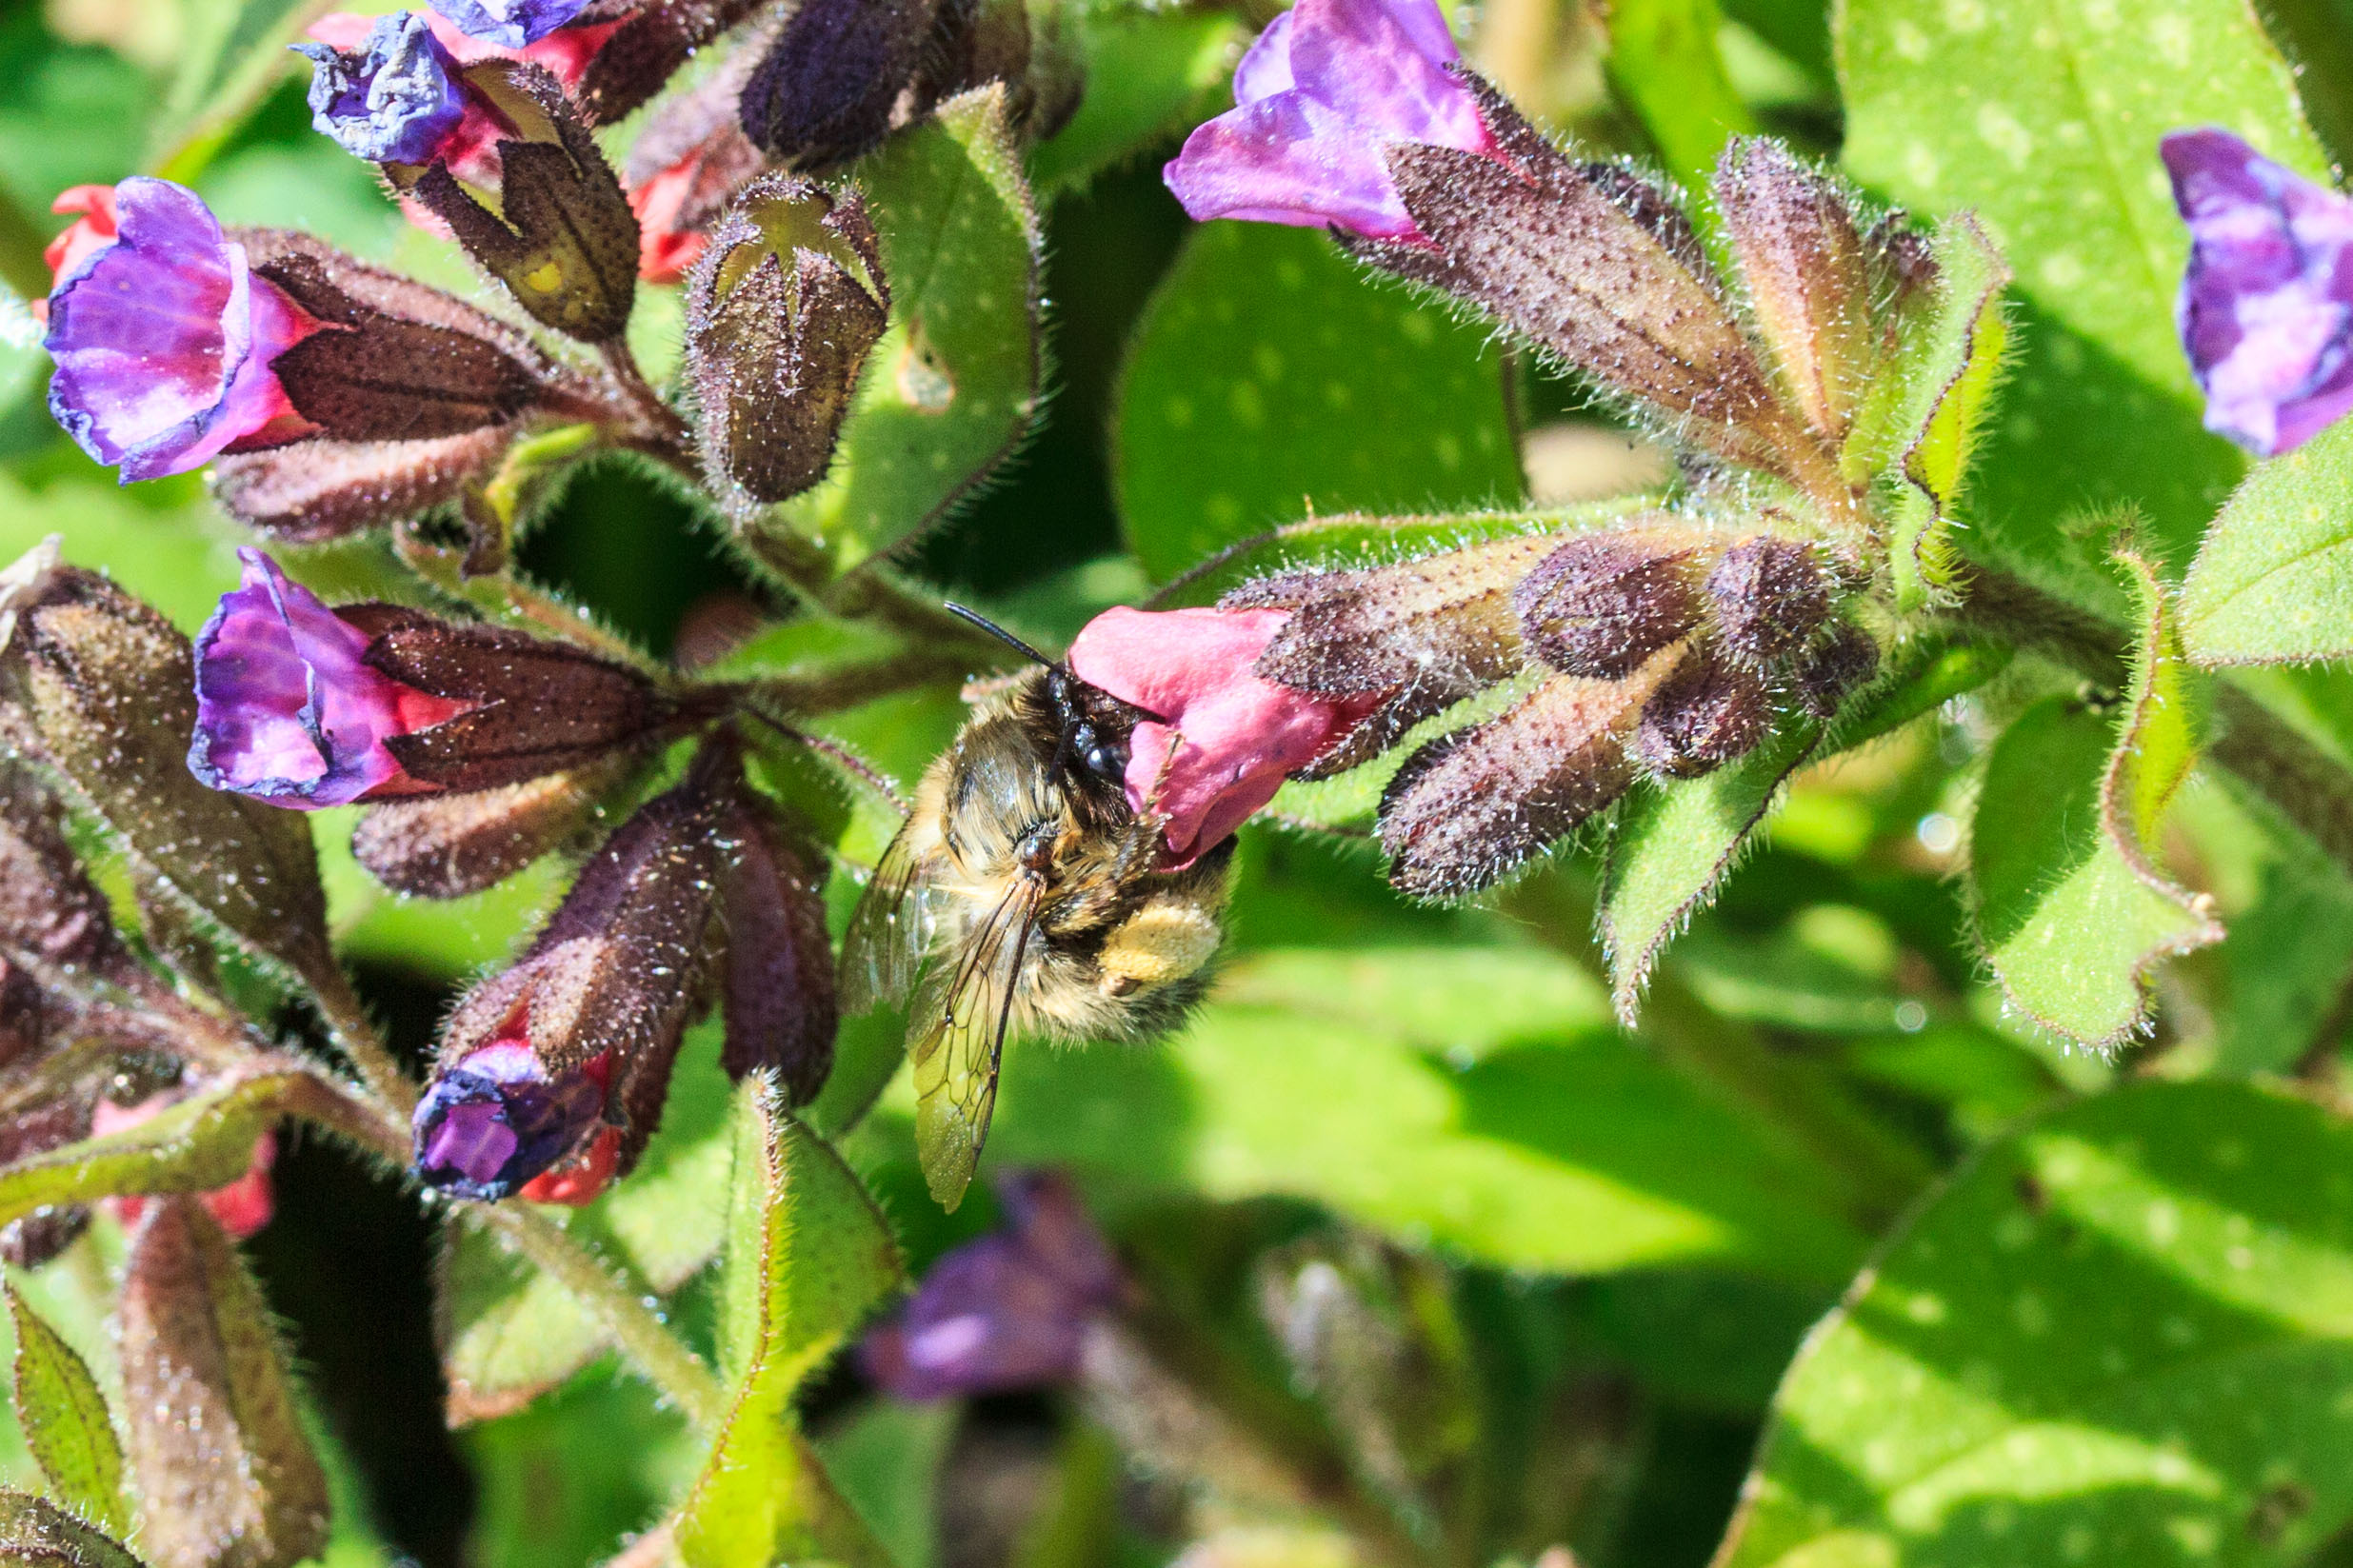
<point>1026,896</point>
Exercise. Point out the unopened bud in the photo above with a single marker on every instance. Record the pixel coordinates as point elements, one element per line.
<point>1793,232</point>
<point>828,87</point>
<point>1770,595</point>
<point>323,490</point>
<point>446,846</point>
<point>648,48</point>
<point>781,312</point>
<point>1601,603</point>
<point>777,995</point>
<point>563,240</point>
<point>1844,658</point>
<point>1707,712</point>
<point>1443,623</point>
<point>49,911</point>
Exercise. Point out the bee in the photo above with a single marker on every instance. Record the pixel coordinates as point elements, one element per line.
<point>1023,895</point>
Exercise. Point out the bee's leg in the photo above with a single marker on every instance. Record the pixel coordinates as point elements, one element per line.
<point>1165,941</point>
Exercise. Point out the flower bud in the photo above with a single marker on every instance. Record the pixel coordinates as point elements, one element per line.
<point>781,312</point>
<point>1843,658</point>
<point>564,241</point>
<point>579,1033</point>
<point>649,47</point>
<point>1601,603</point>
<point>1809,285</point>
<point>1009,1310</point>
<point>51,913</point>
<point>826,88</point>
<point>1707,712</point>
<point>777,986</point>
<point>446,847</point>
<point>1469,808</point>
<point>1770,596</point>
<point>323,490</point>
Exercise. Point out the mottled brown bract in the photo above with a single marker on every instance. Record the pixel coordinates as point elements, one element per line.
<point>1601,603</point>
<point>1770,596</point>
<point>34,1534</point>
<point>1844,658</point>
<point>784,306</point>
<point>618,967</point>
<point>564,241</point>
<point>1468,809</point>
<point>547,707</point>
<point>1707,712</point>
<point>777,991</point>
<point>1810,285</point>
<point>96,685</point>
<point>227,1478</point>
<point>648,48</point>
<point>446,846</point>
<point>320,489</point>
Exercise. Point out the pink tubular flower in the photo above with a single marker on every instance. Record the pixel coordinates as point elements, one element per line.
<point>287,709</point>
<point>1230,738</point>
<point>243,1208</point>
<point>1317,99</point>
<point>95,230</point>
<point>2267,306</point>
<point>164,340</point>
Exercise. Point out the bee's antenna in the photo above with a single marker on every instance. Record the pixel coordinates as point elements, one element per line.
<point>999,634</point>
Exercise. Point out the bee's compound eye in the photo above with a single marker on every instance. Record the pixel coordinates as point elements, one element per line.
<point>1105,762</point>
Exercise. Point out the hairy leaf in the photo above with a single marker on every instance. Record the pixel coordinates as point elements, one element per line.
<point>809,1258</point>
<point>2273,582</point>
<point>2043,117</point>
<point>953,387</point>
<point>1270,380</point>
<point>34,1534</point>
<point>2123,1335</point>
<point>65,1419</point>
<point>2070,907</point>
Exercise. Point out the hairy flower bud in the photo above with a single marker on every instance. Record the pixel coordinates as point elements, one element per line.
<point>1469,808</point>
<point>826,88</point>
<point>579,1033</point>
<point>323,490</point>
<point>1770,596</point>
<point>446,847</point>
<point>777,985</point>
<point>781,312</point>
<point>563,241</point>
<point>1601,603</point>
<point>1707,712</point>
<point>1842,659</point>
<point>649,47</point>
<point>1809,285</point>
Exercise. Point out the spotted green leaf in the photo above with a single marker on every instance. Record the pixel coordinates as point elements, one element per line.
<point>808,1256</point>
<point>65,1420</point>
<point>953,387</point>
<point>2043,117</point>
<point>2124,1333</point>
<point>2072,910</point>
<point>1270,380</point>
<point>2273,582</point>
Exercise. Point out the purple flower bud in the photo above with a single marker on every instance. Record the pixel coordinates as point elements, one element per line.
<point>164,340</point>
<point>498,1118</point>
<point>287,710</point>
<point>1007,1311</point>
<point>1326,88</point>
<point>510,24</point>
<point>2267,308</point>
<point>393,100</point>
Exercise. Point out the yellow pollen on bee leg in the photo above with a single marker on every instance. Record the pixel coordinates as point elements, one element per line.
<point>1161,942</point>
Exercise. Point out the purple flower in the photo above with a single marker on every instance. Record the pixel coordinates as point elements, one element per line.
<point>1326,88</point>
<point>1007,1311</point>
<point>2267,306</point>
<point>493,1122</point>
<point>163,341</point>
<point>510,24</point>
<point>391,101</point>
<point>288,710</point>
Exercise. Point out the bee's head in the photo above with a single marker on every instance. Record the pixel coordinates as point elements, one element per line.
<point>1089,726</point>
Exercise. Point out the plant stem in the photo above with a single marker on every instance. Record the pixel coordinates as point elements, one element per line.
<point>354,1034</point>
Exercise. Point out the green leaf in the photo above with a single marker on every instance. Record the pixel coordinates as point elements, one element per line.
<point>565,1482</point>
<point>1672,847</point>
<point>954,385</point>
<point>2286,959</point>
<point>1270,379</point>
<point>1148,74</point>
<point>1664,62</point>
<point>66,1422</point>
<point>204,1142</point>
<point>2044,116</point>
<point>2071,910</point>
<point>508,1332</point>
<point>1940,396</point>
<point>2273,582</point>
<point>886,1461</point>
<point>38,1534</point>
<point>808,1256</point>
<point>2124,1334</point>
<point>1509,1121</point>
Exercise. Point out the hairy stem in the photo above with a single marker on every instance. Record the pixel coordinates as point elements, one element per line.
<point>355,1035</point>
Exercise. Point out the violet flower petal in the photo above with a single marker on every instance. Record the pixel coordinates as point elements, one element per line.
<point>1265,68</point>
<point>1376,63</point>
<point>285,709</point>
<point>1290,160</point>
<point>394,99</point>
<point>164,339</point>
<point>510,24</point>
<point>488,1125</point>
<point>2266,310</point>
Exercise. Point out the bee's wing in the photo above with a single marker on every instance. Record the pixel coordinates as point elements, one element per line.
<point>956,1037</point>
<point>890,932</point>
